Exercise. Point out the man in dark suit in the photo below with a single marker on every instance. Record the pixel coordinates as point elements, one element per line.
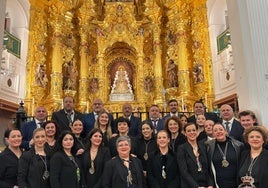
<point>66,116</point>
<point>90,118</point>
<point>232,126</point>
<point>135,122</point>
<point>173,109</point>
<point>155,118</point>
<point>199,108</point>
<point>40,116</point>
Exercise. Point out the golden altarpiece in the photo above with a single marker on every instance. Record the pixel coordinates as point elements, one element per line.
<point>141,51</point>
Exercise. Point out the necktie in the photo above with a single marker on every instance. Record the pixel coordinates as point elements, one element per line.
<point>69,119</point>
<point>155,126</point>
<point>39,124</point>
<point>227,126</point>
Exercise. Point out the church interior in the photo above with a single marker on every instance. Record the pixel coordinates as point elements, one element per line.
<point>142,52</point>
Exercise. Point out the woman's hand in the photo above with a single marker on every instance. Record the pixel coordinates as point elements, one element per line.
<point>80,151</point>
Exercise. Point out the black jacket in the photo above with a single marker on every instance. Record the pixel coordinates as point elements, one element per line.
<point>62,121</point>
<point>154,171</point>
<point>190,177</point>
<point>237,145</point>
<point>94,180</point>
<point>8,169</point>
<point>115,173</point>
<point>31,170</point>
<point>64,172</point>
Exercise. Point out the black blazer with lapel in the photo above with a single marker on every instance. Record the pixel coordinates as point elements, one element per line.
<point>8,169</point>
<point>190,177</point>
<point>237,131</point>
<point>62,121</point>
<point>160,124</point>
<point>63,171</point>
<point>115,175</point>
<point>154,171</point>
<point>94,180</point>
<point>30,171</point>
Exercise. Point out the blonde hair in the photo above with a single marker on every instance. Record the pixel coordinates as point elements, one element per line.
<point>108,126</point>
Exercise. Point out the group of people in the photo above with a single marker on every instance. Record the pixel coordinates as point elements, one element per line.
<point>94,150</point>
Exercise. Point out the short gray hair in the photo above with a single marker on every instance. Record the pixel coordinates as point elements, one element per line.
<point>123,138</point>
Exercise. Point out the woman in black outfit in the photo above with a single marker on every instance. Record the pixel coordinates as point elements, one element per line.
<point>224,155</point>
<point>163,170</point>
<point>94,158</point>
<point>65,167</point>
<point>52,133</point>
<point>77,129</point>
<point>33,168</point>
<point>123,125</point>
<point>124,170</point>
<point>254,162</point>
<point>10,158</point>
<point>192,161</point>
<point>173,127</point>
<point>146,143</point>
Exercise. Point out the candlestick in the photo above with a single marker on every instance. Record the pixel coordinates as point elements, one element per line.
<point>206,100</point>
<point>87,107</point>
<point>182,104</point>
<point>33,107</point>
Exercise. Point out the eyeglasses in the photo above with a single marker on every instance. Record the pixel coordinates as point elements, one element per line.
<point>97,104</point>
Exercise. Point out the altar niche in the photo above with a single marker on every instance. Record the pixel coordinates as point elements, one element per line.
<point>121,83</point>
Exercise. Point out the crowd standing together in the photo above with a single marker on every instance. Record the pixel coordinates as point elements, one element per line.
<point>94,150</point>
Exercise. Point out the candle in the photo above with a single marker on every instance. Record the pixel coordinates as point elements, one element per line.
<point>87,107</point>
<point>182,104</point>
<point>33,107</point>
<point>206,100</point>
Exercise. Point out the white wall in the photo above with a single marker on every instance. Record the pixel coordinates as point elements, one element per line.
<point>224,86</point>
<point>18,11</point>
<point>249,28</point>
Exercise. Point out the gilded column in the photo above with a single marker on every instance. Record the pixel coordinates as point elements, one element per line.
<point>140,75</point>
<point>29,100</point>
<point>36,88</point>
<point>56,60</point>
<point>101,76</point>
<point>201,50</point>
<point>158,66</point>
<point>183,53</point>
<point>84,68</point>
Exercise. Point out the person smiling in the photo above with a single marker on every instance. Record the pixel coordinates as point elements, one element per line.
<point>124,170</point>
<point>146,142</point>
<point>33,170</point>
<point>254,162</point>
<point>173,127</point>
<point>224,156</point>
<point>192,161</point>
<point>163,170</point>
<point>103,123</point>
<point>123,129</point>
<point>9,159</point>
<point>65,167</point>
<point>94,158</point>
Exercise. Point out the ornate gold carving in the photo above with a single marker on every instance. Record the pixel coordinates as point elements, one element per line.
<point>81,43</point>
